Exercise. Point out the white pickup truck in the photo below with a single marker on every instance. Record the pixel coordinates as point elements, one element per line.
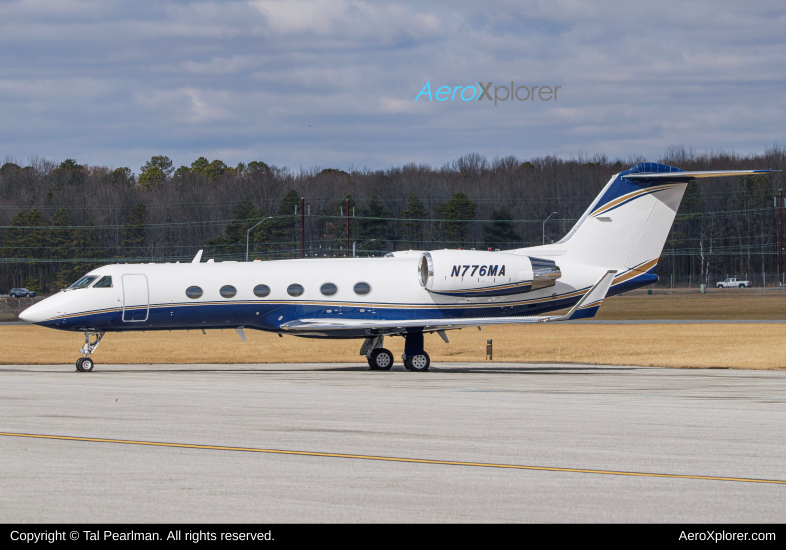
<point>732,283</point>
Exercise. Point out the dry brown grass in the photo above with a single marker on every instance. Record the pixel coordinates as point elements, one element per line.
<point>738,346</point>
<point>719,304</point>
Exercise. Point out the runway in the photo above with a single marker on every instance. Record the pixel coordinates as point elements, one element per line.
<point>480,442</point>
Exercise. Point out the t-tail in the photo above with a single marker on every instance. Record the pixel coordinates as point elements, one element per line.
<point>626,226</point>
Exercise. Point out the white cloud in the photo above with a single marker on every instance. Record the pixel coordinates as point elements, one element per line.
<point>348,19</point>
<point>104,81</point>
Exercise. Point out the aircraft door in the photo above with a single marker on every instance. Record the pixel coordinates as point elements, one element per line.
<point>136,298</point>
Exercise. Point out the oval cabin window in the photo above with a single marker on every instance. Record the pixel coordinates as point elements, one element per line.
<point>362,289</point>
<point>295,290</point>
<point>194,292</point>
<point>328,289</point>
<point>227,291</point>
<point>260,291</point>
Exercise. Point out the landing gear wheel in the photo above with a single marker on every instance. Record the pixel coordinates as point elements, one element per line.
<point>418,363</point>
<point>84,364</point>
<point>380,359</point>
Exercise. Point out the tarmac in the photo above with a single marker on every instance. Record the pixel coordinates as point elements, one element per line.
<point>466,442</point>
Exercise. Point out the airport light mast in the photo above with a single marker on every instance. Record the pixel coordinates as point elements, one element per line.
<point>544,227</point>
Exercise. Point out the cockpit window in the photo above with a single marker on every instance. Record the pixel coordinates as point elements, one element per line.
<point>84,282</point>
<point>104,282</point>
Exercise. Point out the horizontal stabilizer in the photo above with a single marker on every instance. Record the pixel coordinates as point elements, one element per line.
<point>683,175</point>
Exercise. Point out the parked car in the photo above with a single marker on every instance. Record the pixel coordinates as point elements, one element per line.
<point>21,292</point>
<point>732,283</point>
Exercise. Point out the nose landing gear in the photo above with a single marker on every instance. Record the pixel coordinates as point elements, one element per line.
<point>85,364</point>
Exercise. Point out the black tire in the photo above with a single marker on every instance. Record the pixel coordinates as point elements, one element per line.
<point>418,363</point>
<point>742,286</point>
<point>27,295</point>
<point>380,359</point>
<point>87,365</point>
<point>79,364</point>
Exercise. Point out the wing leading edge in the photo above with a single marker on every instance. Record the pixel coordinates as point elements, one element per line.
<point>586,307</point>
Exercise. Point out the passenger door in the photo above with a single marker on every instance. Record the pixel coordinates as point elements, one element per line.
<point>136,298</point>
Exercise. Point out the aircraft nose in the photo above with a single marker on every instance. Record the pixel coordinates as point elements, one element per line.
<point>27,315</point>
<point>37,312</point>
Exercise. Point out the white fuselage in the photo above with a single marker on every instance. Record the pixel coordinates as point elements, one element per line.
<point>153,296</point>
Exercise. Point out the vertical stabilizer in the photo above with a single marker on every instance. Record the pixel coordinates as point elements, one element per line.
<point>627,225</point>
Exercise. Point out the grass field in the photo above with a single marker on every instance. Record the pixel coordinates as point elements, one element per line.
<point>746,346</point>
<point>731,304</point>
<point>743,346</point>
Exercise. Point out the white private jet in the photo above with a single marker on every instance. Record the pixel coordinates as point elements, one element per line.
<point>613,248</point>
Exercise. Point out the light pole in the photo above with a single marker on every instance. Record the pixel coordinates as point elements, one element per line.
<point>544,227</point>
<point>362,245</point>
<point>249,232</point>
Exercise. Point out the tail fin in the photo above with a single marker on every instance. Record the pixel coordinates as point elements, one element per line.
<point>627,225</point>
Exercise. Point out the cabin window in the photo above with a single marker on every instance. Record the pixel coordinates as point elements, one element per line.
<point>328,289</point>
<point>227,291</point>
<point>260,291</point>
<point>295,290</point>
<point>104,282</point>
<point>194,292</point>
<point>84,282</point>
<point>362,289</point>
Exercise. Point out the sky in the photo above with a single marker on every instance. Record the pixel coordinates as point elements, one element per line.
<point>333,83</point>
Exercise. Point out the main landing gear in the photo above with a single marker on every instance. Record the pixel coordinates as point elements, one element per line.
<point>379,358</point>
<point>418,363</point>
<point>415,358</point>
<point>85,364</point>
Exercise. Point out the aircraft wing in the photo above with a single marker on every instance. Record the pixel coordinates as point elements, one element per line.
<point>586,307</point>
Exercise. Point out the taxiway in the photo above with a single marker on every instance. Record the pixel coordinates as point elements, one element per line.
<point>592,427</point>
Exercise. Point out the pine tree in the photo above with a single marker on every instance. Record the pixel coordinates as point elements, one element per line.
<point>211,170</point>
<point>59,239</point>
<point>12,240</point>
<point>414,211</point>
<point>284,229</point>
<point>134,231</point>
<point>460,209</point>
<point>155,171</point>
<point>35,240</point>
<point>373,225</point>
<point>500,233</point>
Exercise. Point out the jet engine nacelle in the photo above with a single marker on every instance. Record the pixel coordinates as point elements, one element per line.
<point>479,273</point>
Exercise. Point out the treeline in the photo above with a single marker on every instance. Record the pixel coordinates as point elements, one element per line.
<point>58,220</point>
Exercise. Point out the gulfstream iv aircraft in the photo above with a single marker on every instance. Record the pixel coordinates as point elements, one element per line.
<point>613,248</point>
